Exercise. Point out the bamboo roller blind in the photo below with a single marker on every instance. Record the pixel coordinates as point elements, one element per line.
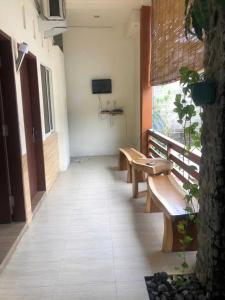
<point>170,48</point>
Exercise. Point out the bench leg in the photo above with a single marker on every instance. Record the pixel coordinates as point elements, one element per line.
<point>141,177</point>
<point>168,235</point>
<point>137,176</point>
<point>172,236</point>
<point>135,182</point>
<point>122,162</point>
<point>129,173</point>
<point>150,205</point>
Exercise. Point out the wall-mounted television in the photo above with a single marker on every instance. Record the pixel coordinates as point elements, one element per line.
<point>102,86</point>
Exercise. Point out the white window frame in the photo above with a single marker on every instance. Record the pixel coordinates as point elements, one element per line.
<point>50,102</point>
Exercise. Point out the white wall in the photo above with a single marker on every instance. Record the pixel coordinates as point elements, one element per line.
<point>60,100</point>
<point>12,23</point>
<point>92,53</point>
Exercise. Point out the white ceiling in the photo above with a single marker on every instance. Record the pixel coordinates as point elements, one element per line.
<point>111,12</point>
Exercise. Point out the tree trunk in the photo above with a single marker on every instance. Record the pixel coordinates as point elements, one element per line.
<point>211,239</point>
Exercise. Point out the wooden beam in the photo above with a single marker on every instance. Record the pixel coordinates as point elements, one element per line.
<point>145,87</point>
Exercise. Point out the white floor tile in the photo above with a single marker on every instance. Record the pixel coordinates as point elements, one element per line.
<point>89,240</point>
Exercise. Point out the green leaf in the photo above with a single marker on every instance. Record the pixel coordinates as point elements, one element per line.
<point>189,210</point>
<point>187,240</point>
<point>195,192</point>
<point>188,198</point>
<point>181,228</point>
<point>193,168</point>
<point>185,265</point>
<point>197,144</point>
<point>178,97</point>
<point>186,186</point>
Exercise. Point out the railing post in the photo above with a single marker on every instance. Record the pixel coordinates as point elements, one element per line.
<point>172,150</point>
<point>169,148</point>
<point>149,143</point>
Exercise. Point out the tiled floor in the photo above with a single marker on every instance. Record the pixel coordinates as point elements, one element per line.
<point>8,235</point>
<point>89,240</point>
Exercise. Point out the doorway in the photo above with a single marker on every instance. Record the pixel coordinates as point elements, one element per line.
<point>33,129</point>
<point>12,205</point>
<point>5,205</point>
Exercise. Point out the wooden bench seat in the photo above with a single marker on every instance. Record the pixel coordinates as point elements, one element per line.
<point>149,166</point>
<point>126,156</point>
<point>167,196</point>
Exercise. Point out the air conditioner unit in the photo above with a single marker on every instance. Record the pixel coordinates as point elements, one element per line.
<point>54,31</point>
<point>53,9</point>
<point>52,28</point>
<point>52,17</point>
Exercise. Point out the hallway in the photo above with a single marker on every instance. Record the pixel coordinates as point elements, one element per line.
<point>88,240</point>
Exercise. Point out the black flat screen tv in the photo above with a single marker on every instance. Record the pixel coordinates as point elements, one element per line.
<point>102,86</point>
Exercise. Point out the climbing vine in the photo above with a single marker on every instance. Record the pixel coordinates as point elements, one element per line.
<point>187,113</point>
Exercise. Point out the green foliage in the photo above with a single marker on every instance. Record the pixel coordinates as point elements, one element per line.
<point>221,3</point>
<point>197,17</point>
<point>186,111</point>
<point>188,76</point>
<point>185,108</point>
<point>161,116</point>
<point>197,14</point>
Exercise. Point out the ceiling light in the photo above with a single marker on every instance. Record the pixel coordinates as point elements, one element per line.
<point>96,17</point>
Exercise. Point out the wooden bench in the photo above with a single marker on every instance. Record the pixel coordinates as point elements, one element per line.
<point>167,196</point>
<point>126,156</point>
<point>149,166</point>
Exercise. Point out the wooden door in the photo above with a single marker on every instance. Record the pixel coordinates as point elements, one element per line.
<point>11,157</point>
<point>5,205</point>
<point>29,127</point>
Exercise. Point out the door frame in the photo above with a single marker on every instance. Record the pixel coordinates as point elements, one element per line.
<point>5,205</point>
<point>36,119</point>
<point>12,120</point>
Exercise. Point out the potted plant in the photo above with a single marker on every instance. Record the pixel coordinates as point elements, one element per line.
<point>197,12</point>
<point>201,90</point>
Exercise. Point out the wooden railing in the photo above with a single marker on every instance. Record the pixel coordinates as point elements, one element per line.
<point>160,145</point>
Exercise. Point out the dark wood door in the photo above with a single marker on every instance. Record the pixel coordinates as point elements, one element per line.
<point>11,177</point>
<point>5,205</point>
<point>29,127</point>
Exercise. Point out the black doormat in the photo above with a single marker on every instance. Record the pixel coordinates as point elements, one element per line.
<point>162,286</point>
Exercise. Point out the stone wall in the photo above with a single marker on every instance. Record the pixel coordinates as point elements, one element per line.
<point>211,252</point>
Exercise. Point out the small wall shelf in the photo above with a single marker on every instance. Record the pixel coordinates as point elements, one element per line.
<point>113,112</point>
